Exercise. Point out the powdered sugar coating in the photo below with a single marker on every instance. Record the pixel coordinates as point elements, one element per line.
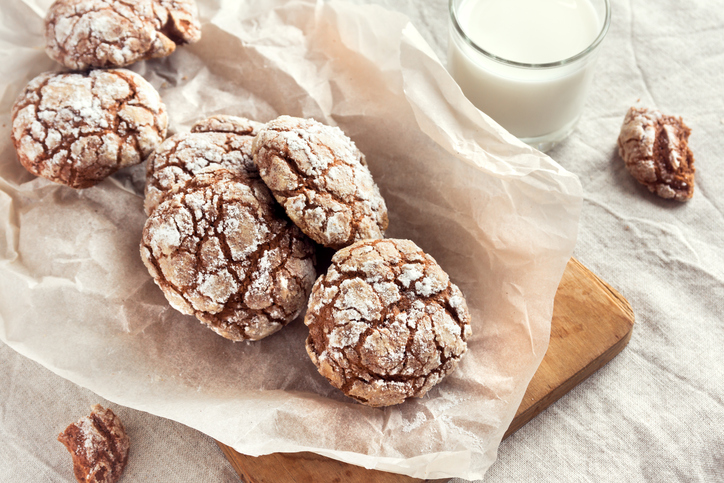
<point>216,142</point>
<point>115,33</point>
<point>656,152</point>
<point>219,250</point>
<point>78,129</point>
<point>385,322</point>
<point>320,177</point>
<point>99,446</point>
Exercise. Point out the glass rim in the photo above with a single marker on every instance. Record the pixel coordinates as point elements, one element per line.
<point>546,65</point>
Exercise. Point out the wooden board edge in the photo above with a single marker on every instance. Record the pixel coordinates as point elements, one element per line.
<point>584,373</point>
<point>334,471</point>
<point>558,392</point>
<point>615,296</point>
<point>231,455</point>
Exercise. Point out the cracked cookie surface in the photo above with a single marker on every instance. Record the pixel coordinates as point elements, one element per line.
<point>656,151</point>
<point>385,322</point>
<point>220,249</point>
<point>115,33</point>
<point>98,445</point>
<point>79,128</point>
<point>321,179</point>
<point>215,142</point>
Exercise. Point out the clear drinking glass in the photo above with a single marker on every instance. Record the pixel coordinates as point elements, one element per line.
<point>538,103</point>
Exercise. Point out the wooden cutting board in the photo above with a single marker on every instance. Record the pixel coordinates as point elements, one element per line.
<point>591,323</point>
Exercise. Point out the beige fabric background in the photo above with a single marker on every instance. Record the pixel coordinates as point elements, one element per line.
<point>656,412</point>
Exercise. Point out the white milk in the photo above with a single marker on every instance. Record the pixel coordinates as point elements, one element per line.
<point>530,102</point>
<point>530,31</point>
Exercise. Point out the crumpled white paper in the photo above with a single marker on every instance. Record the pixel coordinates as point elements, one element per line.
<point>500,217</point>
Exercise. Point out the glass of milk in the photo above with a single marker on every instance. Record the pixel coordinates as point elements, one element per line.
<point>527,63</point>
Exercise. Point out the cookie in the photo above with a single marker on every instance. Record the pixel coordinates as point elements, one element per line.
<point>219,141</point>
<point>322,181</point>
<point>79,128</point>
<point>228,124</point>
<point>655,148</point>
<point>115,33</point>
<point>220,249</point>
<point>98,445</point>
<point>385,322</point>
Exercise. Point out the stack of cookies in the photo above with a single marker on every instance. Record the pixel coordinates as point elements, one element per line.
<point>216,241</point>
<point>236,208</point>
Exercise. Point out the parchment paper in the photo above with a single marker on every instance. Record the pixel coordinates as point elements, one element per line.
<point>500,217</point>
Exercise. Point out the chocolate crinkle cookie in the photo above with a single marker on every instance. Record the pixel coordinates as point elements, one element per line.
<point>216,142</point>
<point>79,128</point>
<point>655,149</point>
<point>385,322</point>
<point>220,249</point>
<point>98,445</point>
<point>229,124</point>
<point>321,179</point>
<point>115,33</point>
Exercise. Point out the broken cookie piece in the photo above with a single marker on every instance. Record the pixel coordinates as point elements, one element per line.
<point>655,149</point>
<point>115,33</point>
<point>79,128</point>
<point>385,322</point>
<point>99,446</point>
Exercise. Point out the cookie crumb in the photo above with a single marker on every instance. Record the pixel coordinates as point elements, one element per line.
<point>656,151</point>
<point>99,446</point>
